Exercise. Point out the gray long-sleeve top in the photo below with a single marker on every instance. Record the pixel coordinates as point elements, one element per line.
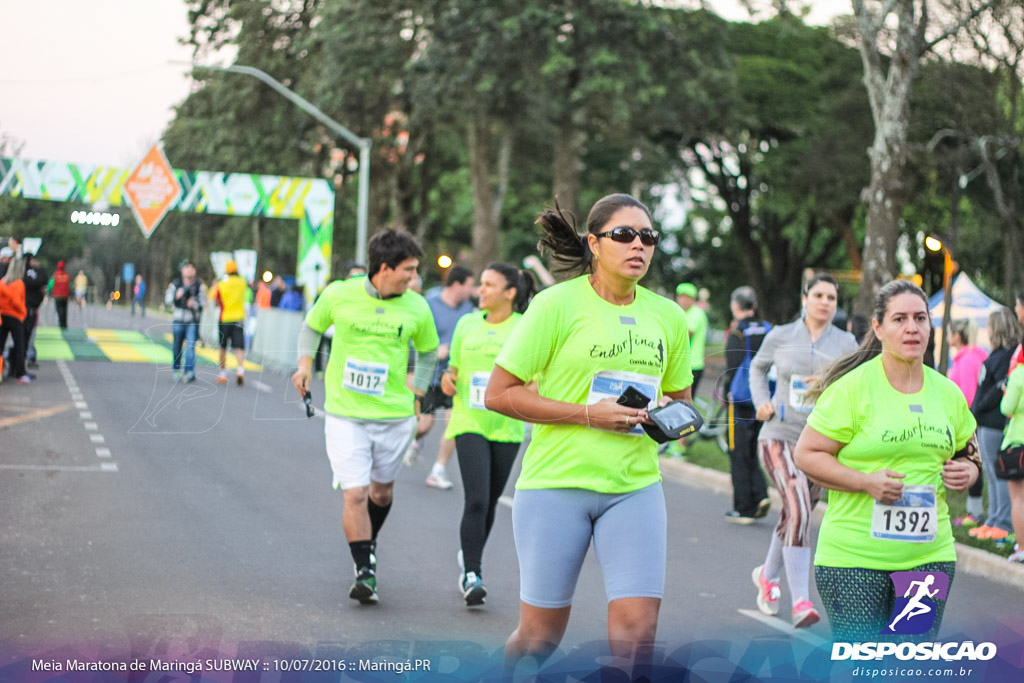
<point>796,358</point>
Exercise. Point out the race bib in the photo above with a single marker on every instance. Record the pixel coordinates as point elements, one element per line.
<point>477,388</point>
<point>611,384</point>
<point>365,377</point>
<point>913,518</point>
<point>798,386</point>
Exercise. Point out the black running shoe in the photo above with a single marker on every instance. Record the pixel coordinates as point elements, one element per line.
<point>365,588</point>
<point>472,587</point>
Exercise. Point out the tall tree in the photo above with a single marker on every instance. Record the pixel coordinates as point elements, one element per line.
<point>893,38</point>
<point>999,44</point>
<point>783,158</point>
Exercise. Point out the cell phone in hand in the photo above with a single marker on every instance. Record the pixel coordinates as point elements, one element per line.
<point>307,398</point>
<point>633,398</point>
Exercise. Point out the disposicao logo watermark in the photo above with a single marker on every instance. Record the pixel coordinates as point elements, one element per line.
<point>914,612</point>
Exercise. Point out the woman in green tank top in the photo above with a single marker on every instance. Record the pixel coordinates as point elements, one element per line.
<point>486,442</point>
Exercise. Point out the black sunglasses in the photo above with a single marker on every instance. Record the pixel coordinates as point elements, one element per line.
<point>626,235</point>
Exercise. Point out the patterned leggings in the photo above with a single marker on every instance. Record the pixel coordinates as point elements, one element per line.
<point>798,495</point>
<point>860,602</point>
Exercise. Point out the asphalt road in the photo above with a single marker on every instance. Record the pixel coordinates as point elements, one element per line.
<point>156,518</point>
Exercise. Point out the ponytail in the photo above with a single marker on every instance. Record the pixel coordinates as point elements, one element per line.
<point>570,251</point>
<point>868,349</point>
<point>521,280</point>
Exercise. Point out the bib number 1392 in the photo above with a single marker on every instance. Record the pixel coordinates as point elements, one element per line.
<point>911,519</point>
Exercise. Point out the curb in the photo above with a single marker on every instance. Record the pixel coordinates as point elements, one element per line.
<point>968,559</point>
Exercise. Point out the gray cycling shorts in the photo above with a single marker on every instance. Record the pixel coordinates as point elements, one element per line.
<point>553,529</point>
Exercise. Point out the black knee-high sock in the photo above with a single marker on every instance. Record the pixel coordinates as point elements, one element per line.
<point>378,513</point>
<point>361,551</point>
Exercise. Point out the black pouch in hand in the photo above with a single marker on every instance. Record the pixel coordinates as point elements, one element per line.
<point>634,398</point>
<point>673,421</point>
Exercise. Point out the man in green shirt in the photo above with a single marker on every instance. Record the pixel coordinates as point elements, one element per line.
<point>371,413</point>
<point>697,325</point>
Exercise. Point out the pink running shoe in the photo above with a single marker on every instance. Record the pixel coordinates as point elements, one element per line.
<point>804,614</point>
<point>767,592</point>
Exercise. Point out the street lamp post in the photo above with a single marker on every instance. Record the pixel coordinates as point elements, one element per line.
<point>932,243</point>
<point>364,144</point>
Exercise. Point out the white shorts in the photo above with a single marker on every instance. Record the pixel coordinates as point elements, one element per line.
<point>361,450</point>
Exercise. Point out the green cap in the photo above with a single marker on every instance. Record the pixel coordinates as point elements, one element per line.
<point>687,288</point>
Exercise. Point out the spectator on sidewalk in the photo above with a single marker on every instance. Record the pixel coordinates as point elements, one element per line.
<point>60,290</point>
<point>35,292</point>
<point>139,296</point>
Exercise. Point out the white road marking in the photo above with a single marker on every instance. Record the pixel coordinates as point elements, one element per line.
<point>265,388</point>
<point>780,625</point>
<point>102,467</point>
<point>506,501</point>
<point>90,426</point>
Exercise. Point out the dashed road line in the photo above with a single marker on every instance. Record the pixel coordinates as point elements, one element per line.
<point>102,467</point>
<point>90,426</point>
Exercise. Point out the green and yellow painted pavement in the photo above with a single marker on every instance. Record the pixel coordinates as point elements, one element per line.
<point>118,346</point>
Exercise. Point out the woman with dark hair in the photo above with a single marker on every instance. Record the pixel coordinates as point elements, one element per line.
<point>889,437</point>
<point>798,351</point>
<point>486,442</point>
<point>590,473</point>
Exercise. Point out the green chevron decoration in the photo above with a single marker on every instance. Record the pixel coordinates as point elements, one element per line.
<point>310,201</point>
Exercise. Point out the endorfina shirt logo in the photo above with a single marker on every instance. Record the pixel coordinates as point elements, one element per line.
<point>914,613</point>
<point>641,351</point>
<point>378,328</point>
<point>928,435</point>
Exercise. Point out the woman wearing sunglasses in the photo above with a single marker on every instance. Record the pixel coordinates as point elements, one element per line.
<point>590,473</point>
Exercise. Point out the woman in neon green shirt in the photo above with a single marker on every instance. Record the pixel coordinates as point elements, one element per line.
<point>487,442</point>
<point>589,473</point>
<point>889,436</point>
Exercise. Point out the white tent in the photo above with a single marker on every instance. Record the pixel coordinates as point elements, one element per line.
<point>967,302</point>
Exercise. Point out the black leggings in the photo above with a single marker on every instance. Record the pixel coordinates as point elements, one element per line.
<point>484,466</point>
<point>860,602</point>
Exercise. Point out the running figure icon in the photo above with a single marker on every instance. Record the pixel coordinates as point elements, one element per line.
<point>915,607</point>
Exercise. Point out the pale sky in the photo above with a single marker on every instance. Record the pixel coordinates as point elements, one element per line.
<point>90,81</point>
